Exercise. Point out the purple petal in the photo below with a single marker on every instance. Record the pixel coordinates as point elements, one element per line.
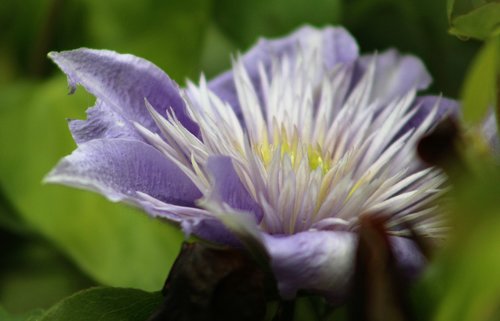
<point>193,220</point>
<point>337,44</point>
<point>228,187</point>
<point>122,82</point>
<point>409,259</point>
<point>102,122</point>
<point>214,231</point>
<point>425,104</point>
<point>395,74</point>
<point>119,168</point>
<point>323,261</point>
<point>320,261</point>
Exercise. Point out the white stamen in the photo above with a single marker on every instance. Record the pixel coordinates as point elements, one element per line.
<point>311,151</point>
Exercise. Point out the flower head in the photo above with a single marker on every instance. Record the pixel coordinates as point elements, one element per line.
<point>290,148</point>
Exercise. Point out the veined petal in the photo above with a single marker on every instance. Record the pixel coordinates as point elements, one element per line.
<point>395,74</point>
<point>323,261</point>
<point>228,187</point>
<point>425,104</point>
<point>192,220</point>
<point>241,224</point>
<point>119,168</point>
<point>320,261</point>
<point>102,122</point>
<point>122,82</point>
<point>336,44</point>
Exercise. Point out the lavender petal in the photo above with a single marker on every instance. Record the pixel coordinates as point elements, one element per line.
<point>337,44</point>
<point>395,74</point>
<point>409,260</point>
<point>123,82</point>
<point>102,122</point>
<point>323,261</point>
<point>320,261</point>
<point>425,104</point>
<point>229,188</point>
<point>119,168</point>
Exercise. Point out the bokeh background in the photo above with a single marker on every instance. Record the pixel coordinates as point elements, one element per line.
<point>55,240</point>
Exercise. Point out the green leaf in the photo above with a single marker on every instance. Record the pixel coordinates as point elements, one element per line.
<point>449,8</point>
<point>459,7</point>
<point>113,243</point>
<point>479,19</point>
<point>31,316</point>
<point>465,275</point>
<point>479,89</point>
<point>245,21</point>
<point>105,304</point>
<point>473,286</point>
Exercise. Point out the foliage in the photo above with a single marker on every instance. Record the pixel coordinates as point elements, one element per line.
<point>480,86</point>
<point>113,304</point>
<point>477,19</point>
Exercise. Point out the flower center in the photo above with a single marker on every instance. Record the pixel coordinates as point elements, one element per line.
<point>310,151</point>
<point>296,152</point>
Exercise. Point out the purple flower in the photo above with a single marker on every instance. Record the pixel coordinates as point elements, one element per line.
<point>287,150</point>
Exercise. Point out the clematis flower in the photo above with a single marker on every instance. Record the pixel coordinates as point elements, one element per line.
<point>288,150</point>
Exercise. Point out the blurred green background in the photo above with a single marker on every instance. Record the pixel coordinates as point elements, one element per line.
<point>55,240</point>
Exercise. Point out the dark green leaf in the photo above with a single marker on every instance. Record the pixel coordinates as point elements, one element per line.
<point>113,243</point>
<point>105,304</point>
<point>32,316</point>
<point>459,7</point>
<point>449,8</point>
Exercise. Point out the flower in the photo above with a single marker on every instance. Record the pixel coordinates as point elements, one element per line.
<point>286,151</point>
